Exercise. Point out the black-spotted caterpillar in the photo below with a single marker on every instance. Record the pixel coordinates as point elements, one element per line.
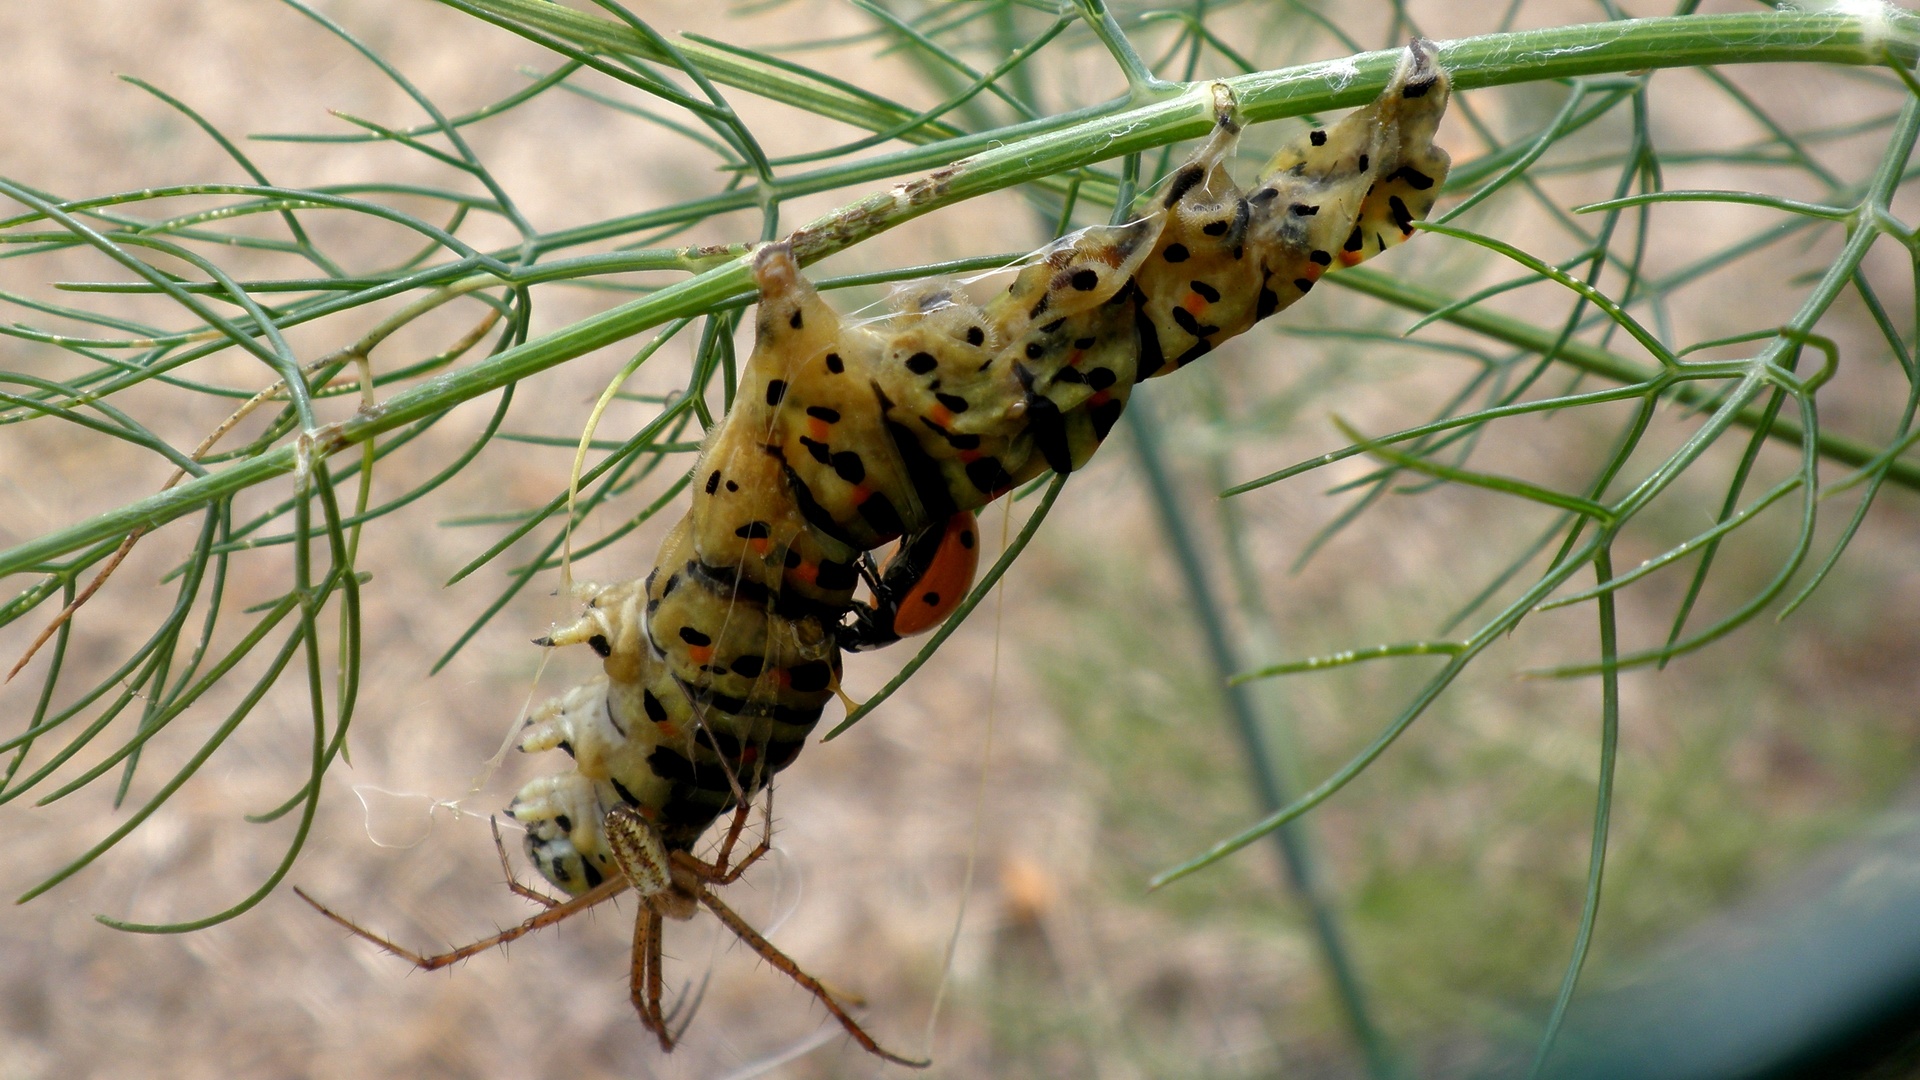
<point>843,438</point>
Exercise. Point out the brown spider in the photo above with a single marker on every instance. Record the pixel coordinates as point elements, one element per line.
<point>670,885</point>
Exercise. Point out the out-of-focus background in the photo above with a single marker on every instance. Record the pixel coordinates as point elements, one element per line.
<point>1770,773</point>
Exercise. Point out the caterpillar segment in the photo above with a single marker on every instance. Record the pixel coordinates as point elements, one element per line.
<point>844,437</point>
<point>888,432</point>
<point>1335,197</point>
<point>719,694</point>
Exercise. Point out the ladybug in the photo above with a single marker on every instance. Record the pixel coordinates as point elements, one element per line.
<point>922,582</point>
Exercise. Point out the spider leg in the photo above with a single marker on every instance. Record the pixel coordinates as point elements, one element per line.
<point>644,984</point>
<point>647,979</point>
<point>791,970</point>
<point>513,882</point>
<point>606,890</point>
<point>718,872</point>
<point>734,829</point>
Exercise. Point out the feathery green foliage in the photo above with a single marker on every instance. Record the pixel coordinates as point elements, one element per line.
<point>287,485</point>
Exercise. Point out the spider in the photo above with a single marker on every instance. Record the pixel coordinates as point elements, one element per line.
<point>671,885</point>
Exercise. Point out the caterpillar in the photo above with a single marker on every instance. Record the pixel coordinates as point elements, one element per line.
<point>845,437</point>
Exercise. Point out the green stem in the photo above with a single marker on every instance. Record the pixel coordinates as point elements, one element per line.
<point>1292,840</point>
<point>1602,811</point>
<point>1559,53</point>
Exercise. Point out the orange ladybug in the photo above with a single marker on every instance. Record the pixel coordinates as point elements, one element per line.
<point>922,582</point>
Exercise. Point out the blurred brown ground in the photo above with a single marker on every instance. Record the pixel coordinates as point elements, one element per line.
<point>875,829</point>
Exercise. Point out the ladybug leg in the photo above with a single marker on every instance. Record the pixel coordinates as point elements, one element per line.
<point>870,625</point>
<point>924,580</point>
<point>869,572</point>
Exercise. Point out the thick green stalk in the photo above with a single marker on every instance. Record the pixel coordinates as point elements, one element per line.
<point>1293,841</point>
<point>1767,37</point>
